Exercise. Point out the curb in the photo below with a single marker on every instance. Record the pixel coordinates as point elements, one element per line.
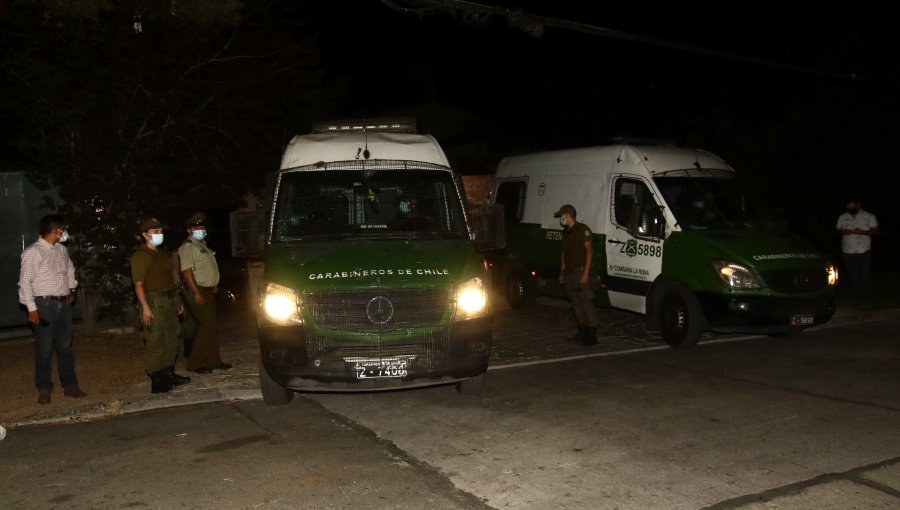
<point>120,408</point>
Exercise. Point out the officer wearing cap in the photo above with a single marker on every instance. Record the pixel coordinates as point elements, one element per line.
<point>154,284</point>
<point>200,273</point>
<point>574,274</point>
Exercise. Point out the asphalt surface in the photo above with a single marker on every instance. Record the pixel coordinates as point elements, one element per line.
<point>532,336</point>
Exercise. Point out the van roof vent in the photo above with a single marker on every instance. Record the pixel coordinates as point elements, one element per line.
<point>383,124</point>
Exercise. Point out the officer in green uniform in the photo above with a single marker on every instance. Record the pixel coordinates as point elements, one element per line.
<point>157,293</point>
<point>200,272</point>
<point>574,274</point>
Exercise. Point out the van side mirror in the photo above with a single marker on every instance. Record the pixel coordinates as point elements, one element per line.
<point>488,226</point>
<point>650,222</point>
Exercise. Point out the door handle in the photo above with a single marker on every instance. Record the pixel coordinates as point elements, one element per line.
<point>615,241</point>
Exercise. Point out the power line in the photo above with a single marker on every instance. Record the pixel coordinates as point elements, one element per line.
<point>535,25</point>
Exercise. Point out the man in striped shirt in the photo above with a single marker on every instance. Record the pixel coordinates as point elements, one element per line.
<point>47,288</point>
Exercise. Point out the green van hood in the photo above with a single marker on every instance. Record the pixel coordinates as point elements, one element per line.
<point>763,250</point>
<point>352,264</point>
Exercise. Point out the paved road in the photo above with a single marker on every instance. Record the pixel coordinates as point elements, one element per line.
<point>807,422</point>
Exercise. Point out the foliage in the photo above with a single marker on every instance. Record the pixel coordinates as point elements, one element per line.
<point>184,112</point>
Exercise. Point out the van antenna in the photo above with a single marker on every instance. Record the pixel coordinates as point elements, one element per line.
<point>697,159</point>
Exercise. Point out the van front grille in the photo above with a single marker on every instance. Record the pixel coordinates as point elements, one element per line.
<point>377,310</point>
<point>796,280</point>
<point>428,351</point>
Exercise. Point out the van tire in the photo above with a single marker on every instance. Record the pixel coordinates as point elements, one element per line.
<point>681,319</point>
<point>273,393</point>
<point>471,386</point>
<point>520,290</point>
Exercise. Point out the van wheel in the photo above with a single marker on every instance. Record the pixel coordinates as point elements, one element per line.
<point>273,393</point>
<point>520,290</point>
<point>681,319</point>
<point>471,386</point>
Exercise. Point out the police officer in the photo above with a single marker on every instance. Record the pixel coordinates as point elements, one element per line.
<point>154,284</point>
<point>574,274</point>
<point>200,273</point>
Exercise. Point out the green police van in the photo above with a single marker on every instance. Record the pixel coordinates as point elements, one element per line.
<point>676,237</point>
<point>372,277</point>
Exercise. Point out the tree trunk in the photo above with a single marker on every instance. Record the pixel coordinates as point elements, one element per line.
<point>90,304</point>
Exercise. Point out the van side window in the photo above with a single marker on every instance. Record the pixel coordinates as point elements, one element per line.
<point>511,195</point>
<point>635,210</point>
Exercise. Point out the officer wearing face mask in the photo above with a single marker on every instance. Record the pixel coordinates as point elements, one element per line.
<point>157,293</point>
<point>200,273</point>
<point>574,273</point>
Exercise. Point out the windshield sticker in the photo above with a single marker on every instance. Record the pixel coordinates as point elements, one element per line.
<point>782,256</point>
<point>361,273</point>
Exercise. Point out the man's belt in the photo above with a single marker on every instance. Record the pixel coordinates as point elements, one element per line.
<point>55,298</point>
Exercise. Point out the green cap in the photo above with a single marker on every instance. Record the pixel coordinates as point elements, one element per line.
<point>566,209</point>
<point>150,223</point>
<point>198,218</point>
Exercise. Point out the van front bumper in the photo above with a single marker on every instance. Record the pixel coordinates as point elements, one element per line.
<point>299,359</point>
<point>764,314</point>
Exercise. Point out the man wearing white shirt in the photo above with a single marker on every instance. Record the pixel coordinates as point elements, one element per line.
<point>47,288</point>
<point>857,228</point>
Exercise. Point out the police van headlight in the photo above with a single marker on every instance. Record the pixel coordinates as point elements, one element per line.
<point>281,305</point>
<point>471,299</point>
<point>735,276</point>
<point>832,271</point>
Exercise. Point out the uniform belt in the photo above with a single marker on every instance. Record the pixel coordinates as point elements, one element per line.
<point>164,293</point>
<point>576,268</point>
<point>55,298</point>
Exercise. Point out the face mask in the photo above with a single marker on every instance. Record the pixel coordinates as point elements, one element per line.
<point>64,237</point>
<point>198,235</point>
<point>562,223</point>
<point>156,239</point>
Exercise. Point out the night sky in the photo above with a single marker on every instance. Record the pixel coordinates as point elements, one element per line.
<point>802,103</point>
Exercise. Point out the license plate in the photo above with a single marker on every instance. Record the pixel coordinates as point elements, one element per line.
<point>379,367</point>
<point>803,320</point>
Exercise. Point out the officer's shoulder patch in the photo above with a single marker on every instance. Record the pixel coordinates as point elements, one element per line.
<point>587,232</point>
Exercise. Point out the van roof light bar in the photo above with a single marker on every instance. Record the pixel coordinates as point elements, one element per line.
<point>386,124</point>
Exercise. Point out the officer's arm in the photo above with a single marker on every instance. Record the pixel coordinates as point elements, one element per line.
<point>146,312</point>
<point>188,275</point>
<point>589,246</point>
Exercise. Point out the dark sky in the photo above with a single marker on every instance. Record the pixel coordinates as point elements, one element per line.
<point>568,88</point>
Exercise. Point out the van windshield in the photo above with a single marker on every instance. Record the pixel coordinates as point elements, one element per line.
<point>326,203</point>
<point>714,203</point>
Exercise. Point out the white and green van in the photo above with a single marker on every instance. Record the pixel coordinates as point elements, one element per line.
<point>372,276</point>
<point>676,237</point>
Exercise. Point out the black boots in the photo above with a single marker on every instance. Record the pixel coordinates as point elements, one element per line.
<point>579,337</point>
<point>159,383</point>
<point>586,336</point>
<point>590,336</point>
<point>175,379</point>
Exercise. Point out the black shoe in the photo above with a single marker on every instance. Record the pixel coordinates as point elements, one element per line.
<point>222,366</point>
<point>590,337</point>
<point>159,383</point>
<point>202,370</point>
<point>175,379</point>
<point>579,337</point>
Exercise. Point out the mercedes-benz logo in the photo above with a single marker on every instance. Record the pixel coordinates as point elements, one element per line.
<point>801,281</point>
<point>379,310</point>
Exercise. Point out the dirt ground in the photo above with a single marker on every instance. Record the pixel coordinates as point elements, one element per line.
<point>108,365</point>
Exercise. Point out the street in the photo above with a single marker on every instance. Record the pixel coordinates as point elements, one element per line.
<point>804,422</point>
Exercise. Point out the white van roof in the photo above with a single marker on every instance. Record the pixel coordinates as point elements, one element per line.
<point>331,147</point>
<point>655,158</point>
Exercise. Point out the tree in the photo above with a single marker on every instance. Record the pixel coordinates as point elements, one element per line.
<point>151,111</point>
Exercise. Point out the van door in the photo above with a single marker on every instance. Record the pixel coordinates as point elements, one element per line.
<point>634,242</point>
